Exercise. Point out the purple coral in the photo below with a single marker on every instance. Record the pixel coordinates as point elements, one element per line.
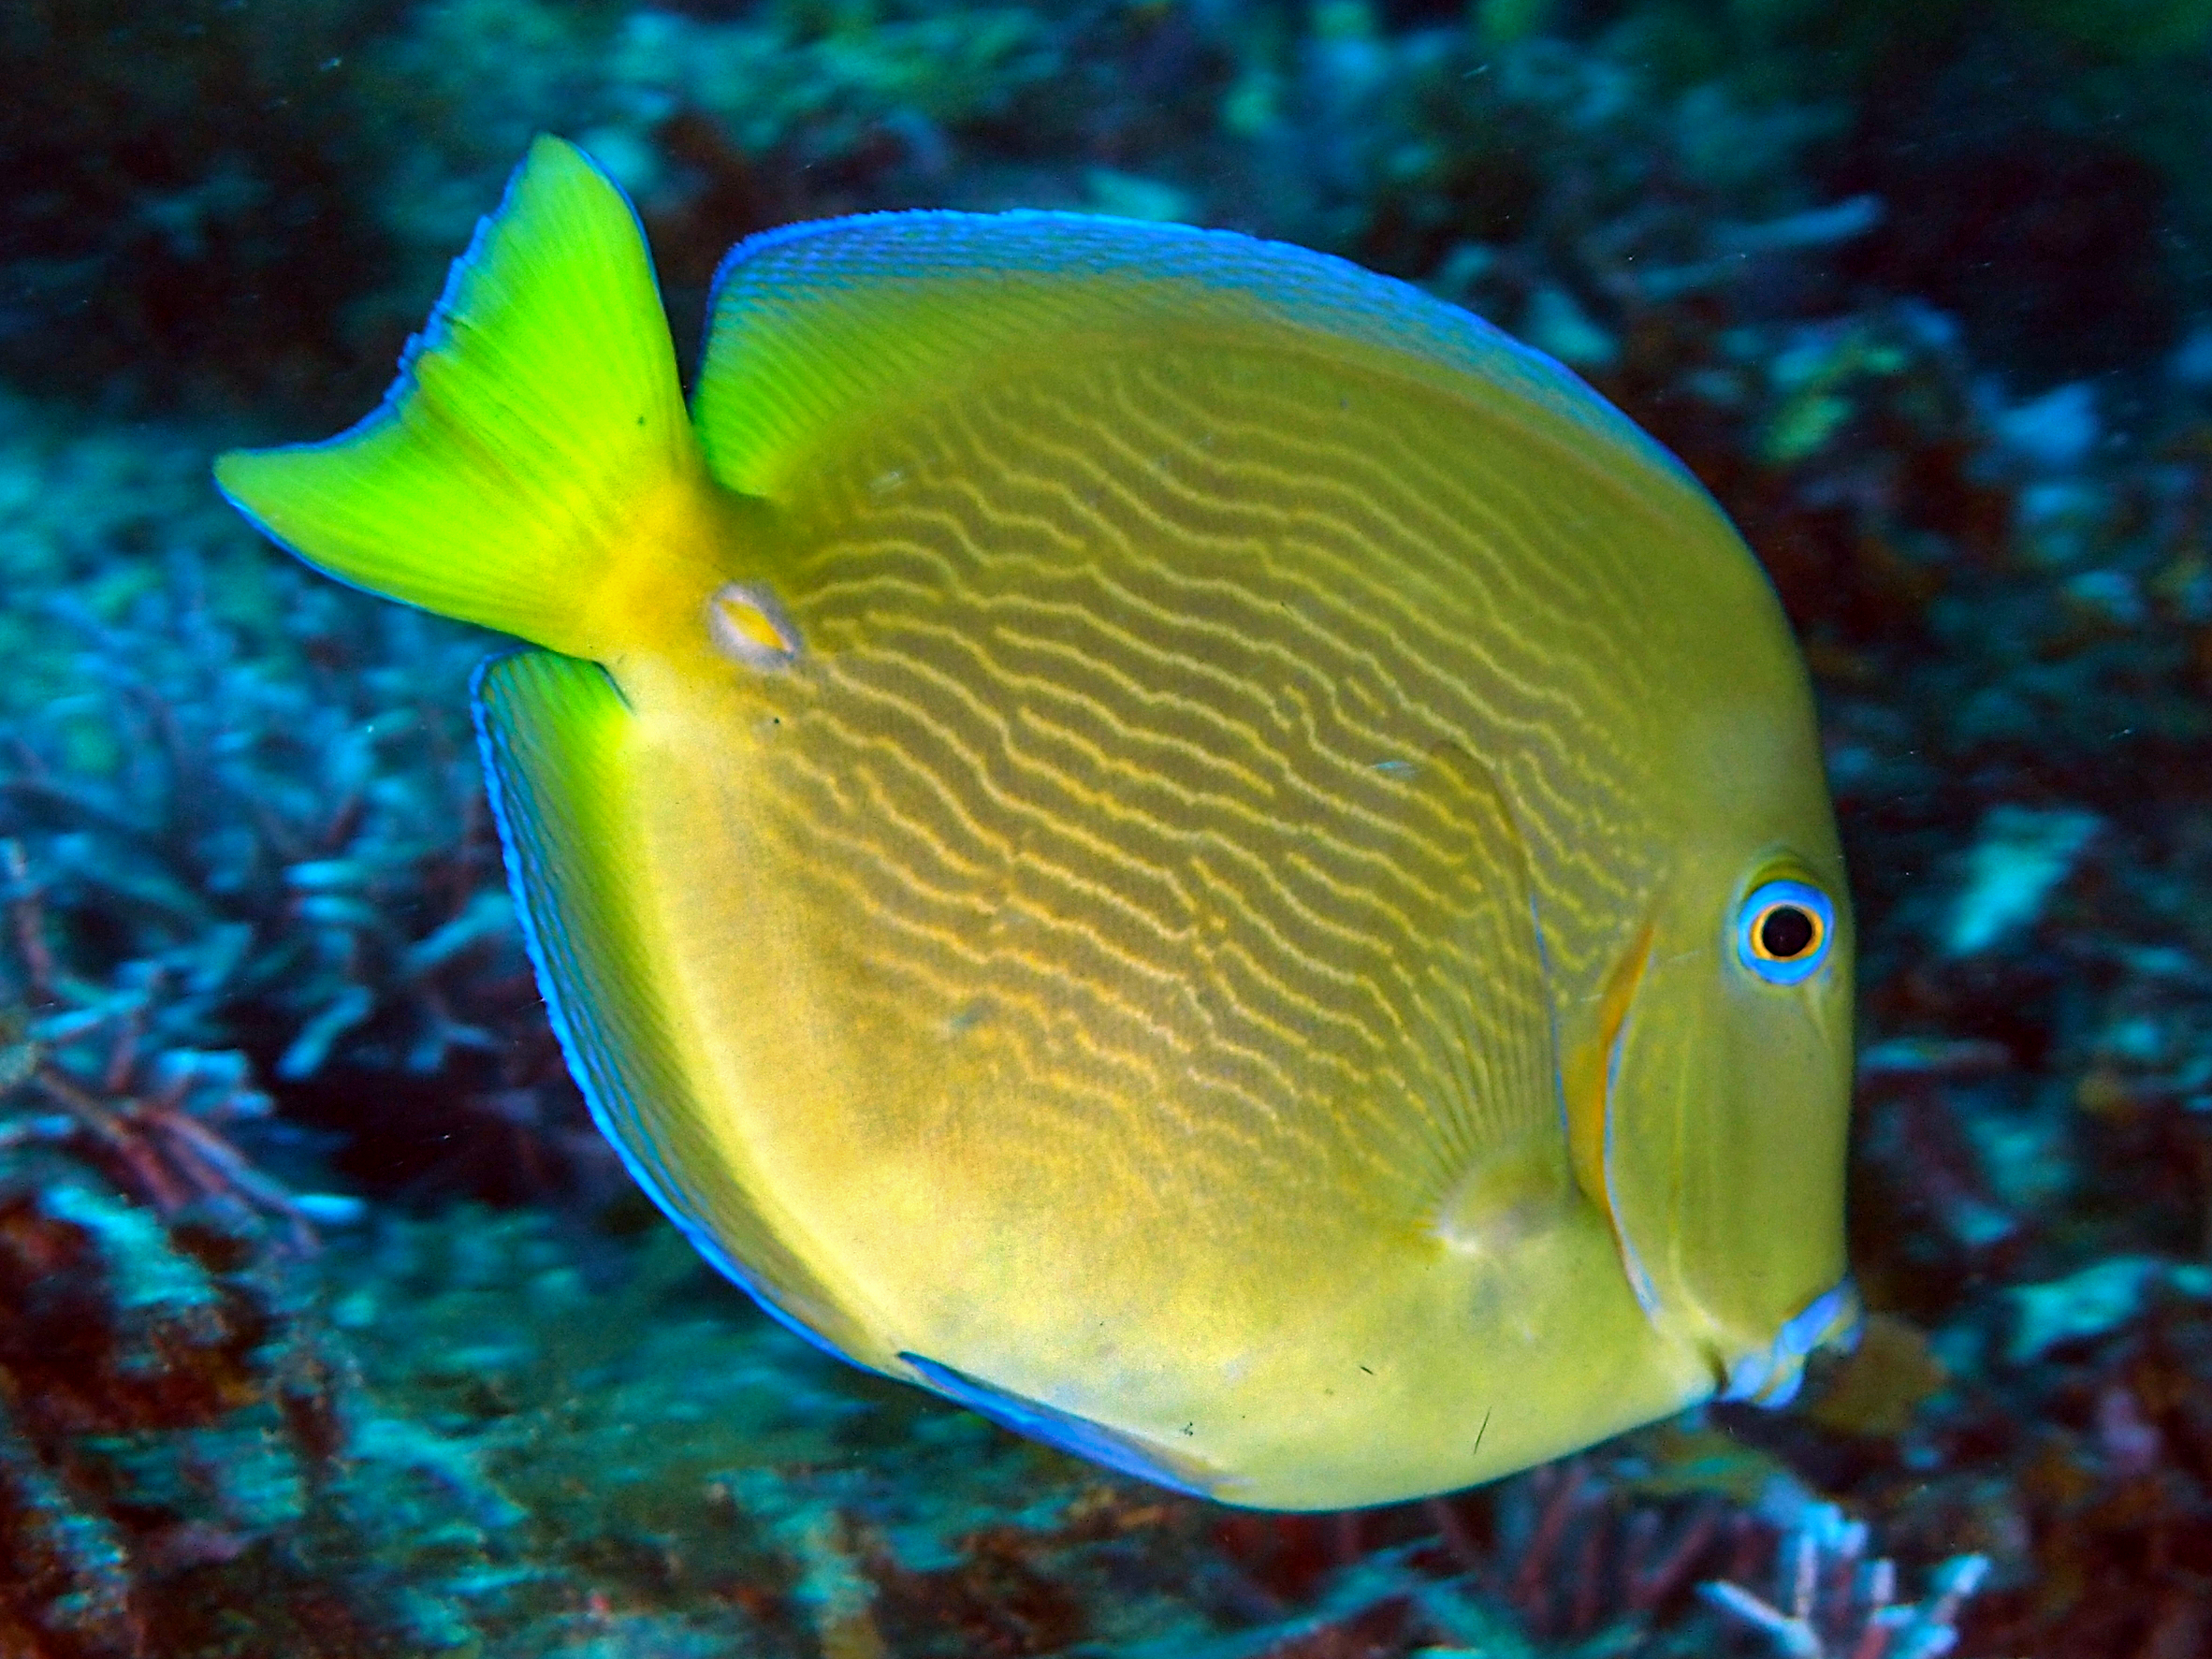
<point>147,1114</point>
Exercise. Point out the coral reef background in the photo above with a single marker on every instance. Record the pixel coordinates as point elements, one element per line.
<point>328,1327</point>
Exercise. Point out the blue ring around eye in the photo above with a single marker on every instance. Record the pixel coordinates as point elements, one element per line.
<point>1758,905</point>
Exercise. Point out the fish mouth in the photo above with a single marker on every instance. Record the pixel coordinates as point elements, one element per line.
<point>1770,1377</point>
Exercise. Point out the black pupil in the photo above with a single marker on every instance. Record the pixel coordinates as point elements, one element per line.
<point>1786,931</point>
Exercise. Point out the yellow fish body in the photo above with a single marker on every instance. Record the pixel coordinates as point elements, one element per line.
<point>1174,840</point>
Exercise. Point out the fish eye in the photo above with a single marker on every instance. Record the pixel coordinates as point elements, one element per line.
<point>1783,931</point>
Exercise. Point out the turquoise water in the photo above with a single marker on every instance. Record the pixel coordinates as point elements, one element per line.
<point>329,1326</point>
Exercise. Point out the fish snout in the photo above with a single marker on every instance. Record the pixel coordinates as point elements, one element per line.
<point>1772,1375</point>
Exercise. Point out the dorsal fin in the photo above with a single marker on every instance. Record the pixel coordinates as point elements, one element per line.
<point>817,324</point>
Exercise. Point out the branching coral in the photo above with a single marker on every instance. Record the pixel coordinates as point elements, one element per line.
<point>250,860</point>
<point>150,1119</point>
<point>1574,1555</point>
<point>263,830</point>
<point>1838,1604</point>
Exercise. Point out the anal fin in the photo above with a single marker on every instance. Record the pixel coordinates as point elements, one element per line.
<point>1117,1448</point>
<point>552,730</point>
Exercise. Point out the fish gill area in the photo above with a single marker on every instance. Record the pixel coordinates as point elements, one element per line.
<point>328,1325</point>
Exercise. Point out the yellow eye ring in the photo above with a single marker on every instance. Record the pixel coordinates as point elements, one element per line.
<point>1785,931</point>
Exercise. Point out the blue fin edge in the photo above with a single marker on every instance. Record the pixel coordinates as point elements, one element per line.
<point>1116,1449</point>
<point>1161,233</point>
<point>572,1050</point>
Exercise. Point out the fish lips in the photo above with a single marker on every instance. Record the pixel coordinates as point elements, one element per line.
<point>1772,1375</point>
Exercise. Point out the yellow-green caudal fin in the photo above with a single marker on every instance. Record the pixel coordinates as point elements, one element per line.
<point>534,442</point>
<point>555,735</point>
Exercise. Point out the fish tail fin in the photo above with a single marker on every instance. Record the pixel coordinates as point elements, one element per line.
<point>535,448</point>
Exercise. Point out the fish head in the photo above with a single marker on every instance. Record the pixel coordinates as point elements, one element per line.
<point>1726,1066</point>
